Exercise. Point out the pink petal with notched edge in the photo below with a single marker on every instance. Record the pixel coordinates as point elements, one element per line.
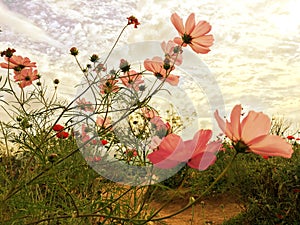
<point>179,41</point>
<point>5,66</point>
<point>171,148</point>
<point>169,154</point>
<point>154,64</point>
<point>202,160</point>
<point>214,147</point>
<point>168,49</point>
<point>201,139</point>
<point>254,125</point>
<point>164,164</point>
<point>157,157</point>
<point>172,79</point>
<point>271,145</point>
<point>223,126</point>
<point>190,24</point>
<point>170,143</point>
<point>220,121</point>
<point>204,41</point>
<point>178,23</point>
<point>199,48</point>
<point>227,127</point>
<point>201,29</point>
<point>148,65</point>
<point>164,47</point>
<point>174,145</point>
<point>235,121</point>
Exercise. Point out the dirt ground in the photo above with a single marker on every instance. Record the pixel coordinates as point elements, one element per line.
<point>211,211</point>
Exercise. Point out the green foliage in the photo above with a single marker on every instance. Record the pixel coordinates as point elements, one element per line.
<point>268,189</point>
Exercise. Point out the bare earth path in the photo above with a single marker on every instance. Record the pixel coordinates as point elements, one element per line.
<point>210,211</point>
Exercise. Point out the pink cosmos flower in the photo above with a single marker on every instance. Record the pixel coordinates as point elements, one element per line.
<point>172,52</point>
<point>85,105</point>
<point>109,86</point>
<point>103,123</point>
<point>17,63</point>
<point>156,65</point>
<point>252,134</point>
<point>149,113</point>
<point>192,34</point>
<point>124,65</point>
<point>84,136</point>
<point>132,79</point>
<point>99,68</point>
<point>25,77</point>
<point>158,123</point>
<point>155,142</point>
<point>162,129</point>
<point>197,153</point>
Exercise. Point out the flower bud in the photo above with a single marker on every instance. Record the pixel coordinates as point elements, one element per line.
<point>124,65</point>
<point>94,58</point>
<point>74,51</point>
<point>56,81</point>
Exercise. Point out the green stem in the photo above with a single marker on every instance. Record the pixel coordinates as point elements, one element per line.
<point>118,38</point>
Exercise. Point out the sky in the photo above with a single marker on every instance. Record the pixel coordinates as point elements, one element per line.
<point>255,60</point>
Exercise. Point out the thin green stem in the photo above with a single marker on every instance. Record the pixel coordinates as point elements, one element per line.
<point>118,38</point>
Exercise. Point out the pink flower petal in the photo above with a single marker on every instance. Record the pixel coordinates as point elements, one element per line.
<point>235,122</point>
<point>178,23</point>
<point>153,65</point>
<point>199,48</point>
<point>190,24</point>
<point>174,147</point>
<point>199,141</point>
<point>204,41</point>
<point>201,29</point>
<point>170,147</point>
<point>221,124</point>
<point>163,164</point>
<point>254,125</point>
<point>214,147</point>
<point>271,145</point>
<point>161,159</point>
<point>5,66</point>
<point>173,80</point>
<point>179,41</point>
<point>202,161</point>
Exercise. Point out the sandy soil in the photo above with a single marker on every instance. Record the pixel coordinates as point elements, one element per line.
<point>211,211</point>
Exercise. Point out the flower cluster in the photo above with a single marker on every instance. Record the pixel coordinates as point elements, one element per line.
<point>126,131</point>
<point>23,68</point>
<point>167,149</point>
<point>124,92</point>
<point>60,133</point>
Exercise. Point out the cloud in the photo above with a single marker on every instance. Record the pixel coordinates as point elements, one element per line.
<point>19,24</point>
